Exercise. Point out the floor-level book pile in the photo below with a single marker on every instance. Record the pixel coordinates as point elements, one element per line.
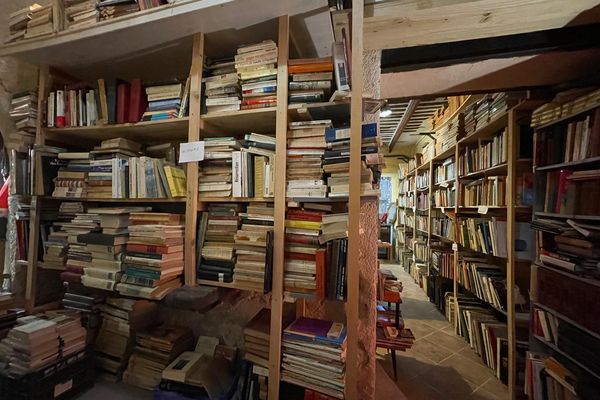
<point>314,355</point>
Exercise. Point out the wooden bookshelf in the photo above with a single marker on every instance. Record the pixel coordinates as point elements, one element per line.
<point>204,199</point>
<point>180,200</point>
<point>227,285</point>
<point>580,164</point>
<point>259,120</point>
<point>498,122</point>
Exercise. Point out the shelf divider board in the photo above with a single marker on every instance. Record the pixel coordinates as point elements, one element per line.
<point>281,125</point>
<point>429,202</point>
<point>354,206</point>
<point>456,232</point>
<point>194,128</point>
<point>513,152</point>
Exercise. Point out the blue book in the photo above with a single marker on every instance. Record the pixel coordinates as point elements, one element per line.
<point>332,134</point>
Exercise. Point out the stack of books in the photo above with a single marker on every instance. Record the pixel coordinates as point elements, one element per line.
<point>87,304</point>
<point>154,259</point>
<point>449,134</point>
<point>40,22</point>
<point>333,226</point>
<point>215,175</point>
<point>23,112</point>
<point>222,87</point>
<point>110,9</point>
<point>80,13</point>
<point>72,179</point>
<point>78,255</point>
<point>106,248</point>
<point>166,101</point>
<point>17,22</point>
<point>314,355</point>
<point>256,65</point>
<point>154,350</point>
<point>304,258</point>
<point>310,79</point>
<point>216,239</point>
<point>336,160</point>
<point>253,248</point>
<point>71,334</point>
<point>305,148</point>
<point>107,177</point>
<point>56,245</point>
<point>257,336</point>
<point>73,106</point>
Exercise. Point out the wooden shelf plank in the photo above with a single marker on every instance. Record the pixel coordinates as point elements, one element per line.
<point>567,117</point>
<point>496,124</point>
<point>98,200</point>
<point>568,216</point>
<point>570,164</point>
<point>495,170</point>
<point>259,120</point>
<point>204,199</point>
<point>227,285</point>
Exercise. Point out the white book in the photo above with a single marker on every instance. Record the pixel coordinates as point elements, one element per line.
<point>236,173</point>
<point>60,105</point>
<point>51,110</point>
<point>340,67</point>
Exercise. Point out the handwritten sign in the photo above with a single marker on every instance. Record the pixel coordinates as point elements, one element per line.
<point>454,247</point>
<point>192,151</point>
<point>482,209</point>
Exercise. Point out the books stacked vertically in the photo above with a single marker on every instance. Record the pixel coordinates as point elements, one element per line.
<point>443,226</point>
<point>256,65</point>
<point>154,259</point>
<point>217,229</point>
<point>260,173</point>
<point>154,350</point>
<point>216,171</point>
<point>23,111</point>
<point>314,355</point>
<point>257,336</point>
<point>106,247</point>
<point>40,22</point>
<point>487,236</point>
<point>443,261</point>
<point>253,248</point>
<point>78,255</point>
<point>73,106</point>
<point>17,22</point>
<point>310,79</point>
<point>484,280</point>
<point>72,179</point>
<point>166,101</point>
<point>488,191</point>
<point>545,374</point>
<point>336,160</point>
<point>110,9</point>
<point>80,13</point>
<point>222,86</point>
<point>305,148</point>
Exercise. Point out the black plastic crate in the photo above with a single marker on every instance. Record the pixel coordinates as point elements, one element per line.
<point>61,380</point>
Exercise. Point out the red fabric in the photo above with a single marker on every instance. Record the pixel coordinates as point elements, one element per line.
<point>4,194</point>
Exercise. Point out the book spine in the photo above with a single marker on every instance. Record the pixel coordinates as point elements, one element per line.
<point>60,109</point>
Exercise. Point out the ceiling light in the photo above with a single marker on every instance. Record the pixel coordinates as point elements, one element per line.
<point>386,111</point>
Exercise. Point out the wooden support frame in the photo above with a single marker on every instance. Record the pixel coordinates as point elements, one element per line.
<point>194,128</point>
<point>281,125</point>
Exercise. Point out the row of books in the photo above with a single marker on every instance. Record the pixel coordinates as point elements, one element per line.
<point>406,200</point>
<point>484,280</point>
<point>568,192</point>
<point>80,13</point>
<point>407,185</point>
<point>116,102</point>
<point>447,136</point>
<point>421,250</point>
<point>483,235</point>
<point>238,168</point>
<point>423,180</point>
<point>487,154</point>
<point>563,105</point>
<point>443,261</point>
<point>30,22</point>
<point>23,113</point>
<point>422,200</point>
<point>443,226</point>
<point>445,172</point>
<point>310,80</point>
<point>548,378</point>
<point>444,197</point>
<point>422,222</point>
<point>488,191</point>
<point>488,108</point>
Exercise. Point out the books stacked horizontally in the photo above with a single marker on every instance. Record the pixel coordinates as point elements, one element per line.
<point>78,255</point>
<point>336,160</point>
<point>71,334</point>
<point>253,248</point>
<point>80,13</point>
<point>153,352</point>
<point>256,65</point>
<point>106,248</point>
<point>154,259</point>
<point>110,9</point>
<point>257,336</point>
<point>56,245</point>
<point>314,355</point>
<point>259,177</point>
<point>310,79</point>
<point>216,242</point>
<point>215,175</point>
<point>17,22</point>
<point>222,87</point>
<point>72,179</point>
<point>87,303</point>
<point>166,101</point>
<point>305,148</point>
<point>40,22</point>
<point>449,134</point>
<point>23,112</point>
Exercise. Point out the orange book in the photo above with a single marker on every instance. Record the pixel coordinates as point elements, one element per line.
<point>307,68</point>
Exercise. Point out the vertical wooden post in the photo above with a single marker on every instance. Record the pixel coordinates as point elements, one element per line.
<point>513,132</point>
<point>194,128</point>
<point>353,265</point>
<point>429,211</point>
<point>456,231</point>
<point>281,126</point>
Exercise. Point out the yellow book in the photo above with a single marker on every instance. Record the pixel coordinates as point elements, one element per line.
<point>259,176</point>
<point>303,224</point>
<point>176,180</point>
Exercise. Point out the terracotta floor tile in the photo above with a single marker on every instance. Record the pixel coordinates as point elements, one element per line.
<point>475,372</point>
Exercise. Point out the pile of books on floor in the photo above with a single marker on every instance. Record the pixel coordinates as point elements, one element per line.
<point>222,86</point>
<point>254,248</point>
<point>80,13</point>
<point>167,101</point>
<point>106,248</point>
<point>314,355</point>
<point>110,9</point>
<point>215,175</point>
<point>78,255</point>
<point>72,179</point>
<point>336,160</point>
<point>217,229</point>
<point>305,148</point>
<point>154,350</point>
<point>310,79</point>
<point>154,259</point>
<point>23,112</point>
<point>256,65</point>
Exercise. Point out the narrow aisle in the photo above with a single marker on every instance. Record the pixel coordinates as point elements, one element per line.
<point>440,365</point>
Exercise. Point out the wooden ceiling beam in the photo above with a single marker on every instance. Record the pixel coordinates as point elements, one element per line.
<point>399,24</point>
<point>410,109</point>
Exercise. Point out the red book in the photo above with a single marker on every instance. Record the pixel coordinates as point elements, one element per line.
<point>301,239</point>
<point>303,215</point>
<point>562,189</point>
<point>67,109</point>
<point>122,103</point>
<point>309,394</point>
<point>297,256</point>
<point>137,101</point>
<point>59,110</point>
<point>321,275</point>
<point>146,248</point>
<point>595,135</point>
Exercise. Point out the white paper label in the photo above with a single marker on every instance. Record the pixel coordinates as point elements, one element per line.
<point>444,184</point>
<point>192,151</point>
<point>454,247</point>
<point>442,210</point>
<point>221,277</point>
<point>482,209</point>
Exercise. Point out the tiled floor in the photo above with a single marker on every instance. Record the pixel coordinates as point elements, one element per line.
<point>440,365</point>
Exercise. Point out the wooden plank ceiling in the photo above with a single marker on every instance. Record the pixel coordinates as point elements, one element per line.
<point>416,123</point>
